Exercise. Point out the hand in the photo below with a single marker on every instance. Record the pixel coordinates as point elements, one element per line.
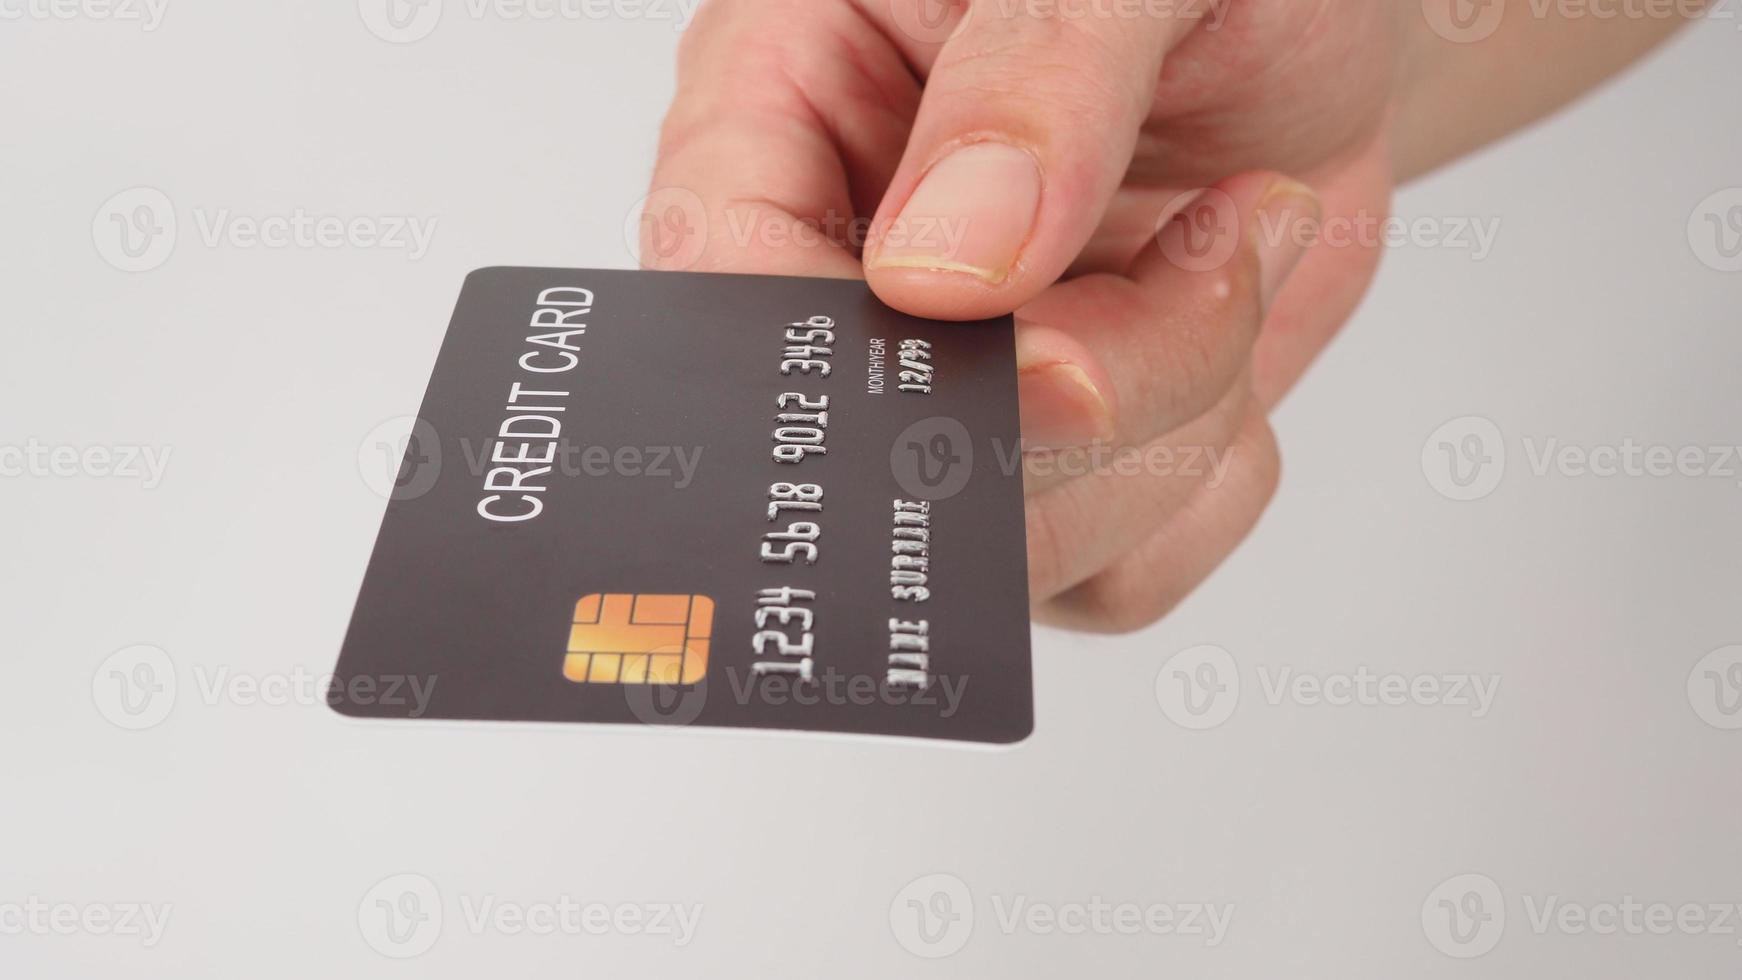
<point>1141,181</point>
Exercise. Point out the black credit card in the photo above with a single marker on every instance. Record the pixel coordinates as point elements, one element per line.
<point>686,498</point>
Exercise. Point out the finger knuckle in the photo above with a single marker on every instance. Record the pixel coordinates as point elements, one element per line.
<point>1118,601</point>
<point>1046,548</point>
<point>1036,89</point>
<point>1263,462</point>
<point>1200,366</point>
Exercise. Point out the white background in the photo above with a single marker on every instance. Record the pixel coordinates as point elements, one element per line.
<point>1592,778</point>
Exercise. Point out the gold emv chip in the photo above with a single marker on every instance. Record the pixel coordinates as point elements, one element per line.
<point>632,638</point>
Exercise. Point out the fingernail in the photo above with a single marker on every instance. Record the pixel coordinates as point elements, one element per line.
<point>971,213</point>
<point>1290,214</point>
<point>1061,408</point>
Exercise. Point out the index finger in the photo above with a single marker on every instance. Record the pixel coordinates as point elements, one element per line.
<point>788,122</point>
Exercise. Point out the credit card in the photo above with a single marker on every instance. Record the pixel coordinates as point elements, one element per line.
<point>678,498</point>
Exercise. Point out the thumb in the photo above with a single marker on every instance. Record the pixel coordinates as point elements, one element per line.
<point>1026,129</point>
